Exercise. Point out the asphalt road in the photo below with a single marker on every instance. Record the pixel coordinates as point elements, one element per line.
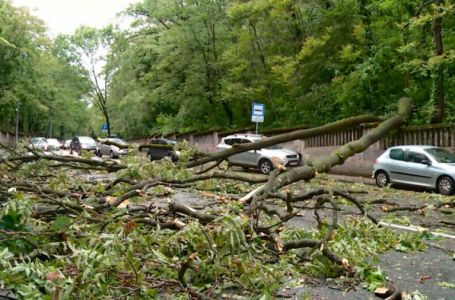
<point>427,272</point>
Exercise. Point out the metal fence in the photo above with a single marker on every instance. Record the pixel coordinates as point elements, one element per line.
<point>442,135</point>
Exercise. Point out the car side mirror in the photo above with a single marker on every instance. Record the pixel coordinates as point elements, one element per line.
<point>426,162</point>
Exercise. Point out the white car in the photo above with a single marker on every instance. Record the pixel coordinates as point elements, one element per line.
<point>53,144</point>
<point>39,143</point>
<point>265,159</point>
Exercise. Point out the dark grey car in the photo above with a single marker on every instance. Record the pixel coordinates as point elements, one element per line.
<point>426,166</point>
<point>157,153</point>
<point>79,143</point>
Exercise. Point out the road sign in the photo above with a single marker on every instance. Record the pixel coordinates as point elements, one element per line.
<point>257,112</point>
<point>104,127</point>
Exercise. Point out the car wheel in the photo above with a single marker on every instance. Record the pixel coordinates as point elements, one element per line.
<point>266,166</point>
<point>382,179</point>
<point>445,185</point>
<point>98,153</point>
<point>112,154</point>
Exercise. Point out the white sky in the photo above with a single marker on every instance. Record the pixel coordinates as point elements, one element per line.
<point>64,16</point>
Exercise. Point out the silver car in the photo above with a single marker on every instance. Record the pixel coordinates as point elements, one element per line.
<point>265,159</point>
<point>39,143</point>
<point>112,150</point>
<point>426,166</point>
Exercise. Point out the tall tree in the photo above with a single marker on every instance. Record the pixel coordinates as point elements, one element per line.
<point>92,46</point>
<point>46,89</point>
<point>197,65</point>
<point>438,88</point>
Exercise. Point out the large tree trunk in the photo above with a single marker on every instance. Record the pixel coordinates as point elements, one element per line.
<point>338,157</point>
<point>295,135</point>
<point>108,122</point>
<point>438,81</point>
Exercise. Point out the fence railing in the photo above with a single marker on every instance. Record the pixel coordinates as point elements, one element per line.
<point>335,138</point>
<point>442,135</point>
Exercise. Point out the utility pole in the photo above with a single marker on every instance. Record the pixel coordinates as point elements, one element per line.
<point>50,129</point>
<point>17,122</point>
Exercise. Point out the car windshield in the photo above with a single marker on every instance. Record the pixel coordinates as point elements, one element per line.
<point>52,141</point>
<point>37,140</point>
<point>118,141</point>
<point>86,140</point>
<point>441,155</point>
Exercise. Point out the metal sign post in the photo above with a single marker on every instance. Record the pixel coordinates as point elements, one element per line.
<point>257,114</point>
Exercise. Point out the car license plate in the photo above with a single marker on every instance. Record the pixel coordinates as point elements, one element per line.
<point>293,163</point>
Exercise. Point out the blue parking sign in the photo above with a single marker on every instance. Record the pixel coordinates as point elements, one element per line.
<point>104,127</point>
<point>257,112</point>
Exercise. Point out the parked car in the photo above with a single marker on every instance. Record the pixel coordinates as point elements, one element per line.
<point>79,143</point>
<point>111,150</point>
<point>426,166</point>
<point>264,159</point>
<point>39,143</point>
<point>53,144</point>
<point>159,153</point>
<point>65,144</point>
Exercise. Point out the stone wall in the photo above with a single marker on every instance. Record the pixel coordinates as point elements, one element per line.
<point>7,138</point>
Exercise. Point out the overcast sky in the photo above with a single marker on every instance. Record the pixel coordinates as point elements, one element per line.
<point>64,16</point>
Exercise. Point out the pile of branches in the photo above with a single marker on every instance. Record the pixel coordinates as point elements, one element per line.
<point>65,237</point>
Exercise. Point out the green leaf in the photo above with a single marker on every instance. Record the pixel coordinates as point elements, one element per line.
<point>445,284</point>
<point>61,223</point>
<point>5,42</point>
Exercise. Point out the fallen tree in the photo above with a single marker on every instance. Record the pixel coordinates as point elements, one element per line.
<point>295,135</point>
<point>124,238</point>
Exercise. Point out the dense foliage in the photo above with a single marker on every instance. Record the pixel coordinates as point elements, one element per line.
<point>198,65</point>
<point>40,76</point>
<point>56,244</point>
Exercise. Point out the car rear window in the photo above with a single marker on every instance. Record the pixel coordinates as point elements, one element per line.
<point>231,141</point>
<point>397,154</point>
<point>244,141</point>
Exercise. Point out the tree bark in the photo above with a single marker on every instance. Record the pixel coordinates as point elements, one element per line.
<point>295,135</point>
<point>337,157</point>
<point>438,81</point>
